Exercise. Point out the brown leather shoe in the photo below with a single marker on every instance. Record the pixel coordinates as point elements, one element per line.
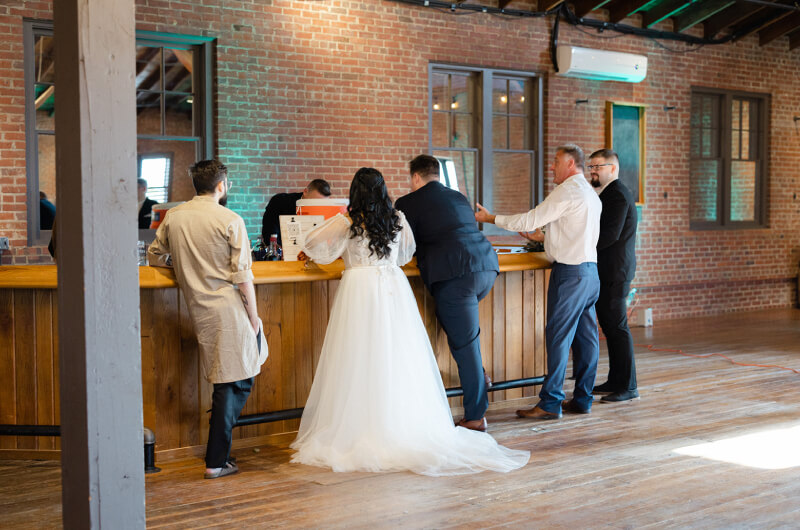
<point>537,413</point>
<point>474,425</point>
<point>574,408</point>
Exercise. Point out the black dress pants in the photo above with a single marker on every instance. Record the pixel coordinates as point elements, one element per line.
<point>613,317</point>
<point>227,403</point>
<point>457,310</point>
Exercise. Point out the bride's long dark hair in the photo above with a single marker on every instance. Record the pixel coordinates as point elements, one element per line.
<point>372,212</point>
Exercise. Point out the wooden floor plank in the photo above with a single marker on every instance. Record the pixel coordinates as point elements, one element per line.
<point>616,467</point>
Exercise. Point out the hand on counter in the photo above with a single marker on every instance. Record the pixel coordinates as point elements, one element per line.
<point>536,235</point>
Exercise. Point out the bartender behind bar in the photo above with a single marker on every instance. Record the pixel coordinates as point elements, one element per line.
<point>285,204</point>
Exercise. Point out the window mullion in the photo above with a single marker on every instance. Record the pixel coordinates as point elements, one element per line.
<point>485,193</point>
<point>725,147</point>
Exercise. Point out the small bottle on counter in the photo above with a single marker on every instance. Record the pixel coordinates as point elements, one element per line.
<point>259,250</point>
<point>274,252</point>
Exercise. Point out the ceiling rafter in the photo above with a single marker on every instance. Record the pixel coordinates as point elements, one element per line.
<point>584,7</point>
<point>778,29</point>
<point>698,12</point>
<point>758,21</point>
<point>664,10</point>
<point>732,15</point>
<point>622,9</point>
<point>794,39</point>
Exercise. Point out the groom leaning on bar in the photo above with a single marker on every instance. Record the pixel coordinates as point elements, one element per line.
<point>458,266</point>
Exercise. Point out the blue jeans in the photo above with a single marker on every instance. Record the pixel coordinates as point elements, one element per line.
<point>571,322</point>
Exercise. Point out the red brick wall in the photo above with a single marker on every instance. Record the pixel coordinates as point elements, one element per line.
<point>318,89</point>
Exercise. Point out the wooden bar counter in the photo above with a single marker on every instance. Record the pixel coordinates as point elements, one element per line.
<point>294,301</point>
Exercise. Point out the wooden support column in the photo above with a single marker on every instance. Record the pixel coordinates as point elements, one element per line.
<point>98,294</point>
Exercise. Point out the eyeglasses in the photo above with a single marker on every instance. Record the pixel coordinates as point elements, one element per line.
<point>228,184</point>
<point>595,166</point>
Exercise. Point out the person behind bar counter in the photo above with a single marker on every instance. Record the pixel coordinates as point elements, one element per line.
<point>285,204</point>
<point>208,247</point>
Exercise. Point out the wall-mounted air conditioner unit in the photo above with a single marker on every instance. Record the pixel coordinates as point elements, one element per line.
<point>603,65</point>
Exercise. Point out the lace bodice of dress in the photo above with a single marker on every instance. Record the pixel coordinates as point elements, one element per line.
<point>332,239</point>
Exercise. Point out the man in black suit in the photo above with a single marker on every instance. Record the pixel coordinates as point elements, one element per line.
<point>616,265</point>
<point>458,266</point>
<point>145,204</point>
<point>285,204</point>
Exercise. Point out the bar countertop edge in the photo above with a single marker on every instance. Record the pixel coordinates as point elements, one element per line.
<point>45,276</point>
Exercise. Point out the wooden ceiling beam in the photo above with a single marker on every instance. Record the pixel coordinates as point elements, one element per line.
<point>699,12</point>
<point>547,5</point>
<point>728,17</point>
<point>621,9</point>
<point>584,7</point>
<point>778,29</point>
<point>794,39</point>
<point>758,21</point>
<point>664,10</point>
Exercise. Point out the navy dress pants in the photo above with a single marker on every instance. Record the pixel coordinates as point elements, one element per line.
<point>613,317</point>
<point>227,403</point>
<point>457,310</point>
<point>571,322</point>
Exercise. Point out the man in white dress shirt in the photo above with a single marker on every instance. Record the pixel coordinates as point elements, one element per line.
<point>571,215</point>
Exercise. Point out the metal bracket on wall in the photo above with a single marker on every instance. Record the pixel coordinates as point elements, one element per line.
<point>4,245</point>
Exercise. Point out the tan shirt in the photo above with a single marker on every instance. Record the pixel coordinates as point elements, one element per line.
<point>210,253</point>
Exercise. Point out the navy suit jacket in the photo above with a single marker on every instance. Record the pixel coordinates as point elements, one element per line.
<point>616,246</point>
<point>449,243</point>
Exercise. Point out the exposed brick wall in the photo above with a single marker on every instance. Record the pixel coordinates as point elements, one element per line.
<point>318,89</point>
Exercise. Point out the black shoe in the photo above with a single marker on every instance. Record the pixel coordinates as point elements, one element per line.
<point>625,395</point>
<point>605,388</point>
<point>571,406</point>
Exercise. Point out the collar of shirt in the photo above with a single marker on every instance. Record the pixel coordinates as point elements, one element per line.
<point>602,188</point>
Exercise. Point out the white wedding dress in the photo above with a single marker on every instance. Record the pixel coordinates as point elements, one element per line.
<point>377,402</point>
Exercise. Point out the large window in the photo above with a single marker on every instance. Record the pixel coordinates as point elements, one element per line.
<point>173,116</point>
<point>728,162</point>
<point>485,128</point>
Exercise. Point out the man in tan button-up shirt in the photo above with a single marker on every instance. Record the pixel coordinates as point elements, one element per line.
<point>208,247</point>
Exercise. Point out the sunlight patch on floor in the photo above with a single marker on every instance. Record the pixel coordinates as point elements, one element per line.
<point>772,449</point>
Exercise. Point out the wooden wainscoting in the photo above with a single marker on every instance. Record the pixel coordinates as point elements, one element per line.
<point>176,396</point>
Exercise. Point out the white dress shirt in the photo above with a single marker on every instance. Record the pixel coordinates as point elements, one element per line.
<point>571,216</point>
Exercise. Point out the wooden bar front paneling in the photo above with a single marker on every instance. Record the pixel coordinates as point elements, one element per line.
<point>295,312</point>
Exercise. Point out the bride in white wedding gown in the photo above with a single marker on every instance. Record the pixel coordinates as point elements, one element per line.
<point>377,402</point>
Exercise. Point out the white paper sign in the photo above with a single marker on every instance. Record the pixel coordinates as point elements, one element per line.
<point>293,230</point>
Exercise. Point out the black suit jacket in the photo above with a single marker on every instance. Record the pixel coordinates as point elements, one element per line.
<point>280,204</point>
<point>145,213</point>
<point>616,246</point>
<point>449,243</point>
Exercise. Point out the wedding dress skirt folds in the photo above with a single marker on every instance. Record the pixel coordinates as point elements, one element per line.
<point>377,402</point>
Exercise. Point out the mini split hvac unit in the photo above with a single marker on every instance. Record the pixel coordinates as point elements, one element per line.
<point>602,65</point>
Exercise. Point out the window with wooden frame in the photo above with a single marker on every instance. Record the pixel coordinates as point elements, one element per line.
<point>729,151</point>
<point>486,130</point>
<point>173,109</point>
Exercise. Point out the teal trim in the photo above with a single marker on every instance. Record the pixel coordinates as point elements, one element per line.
<point>171,38</point>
